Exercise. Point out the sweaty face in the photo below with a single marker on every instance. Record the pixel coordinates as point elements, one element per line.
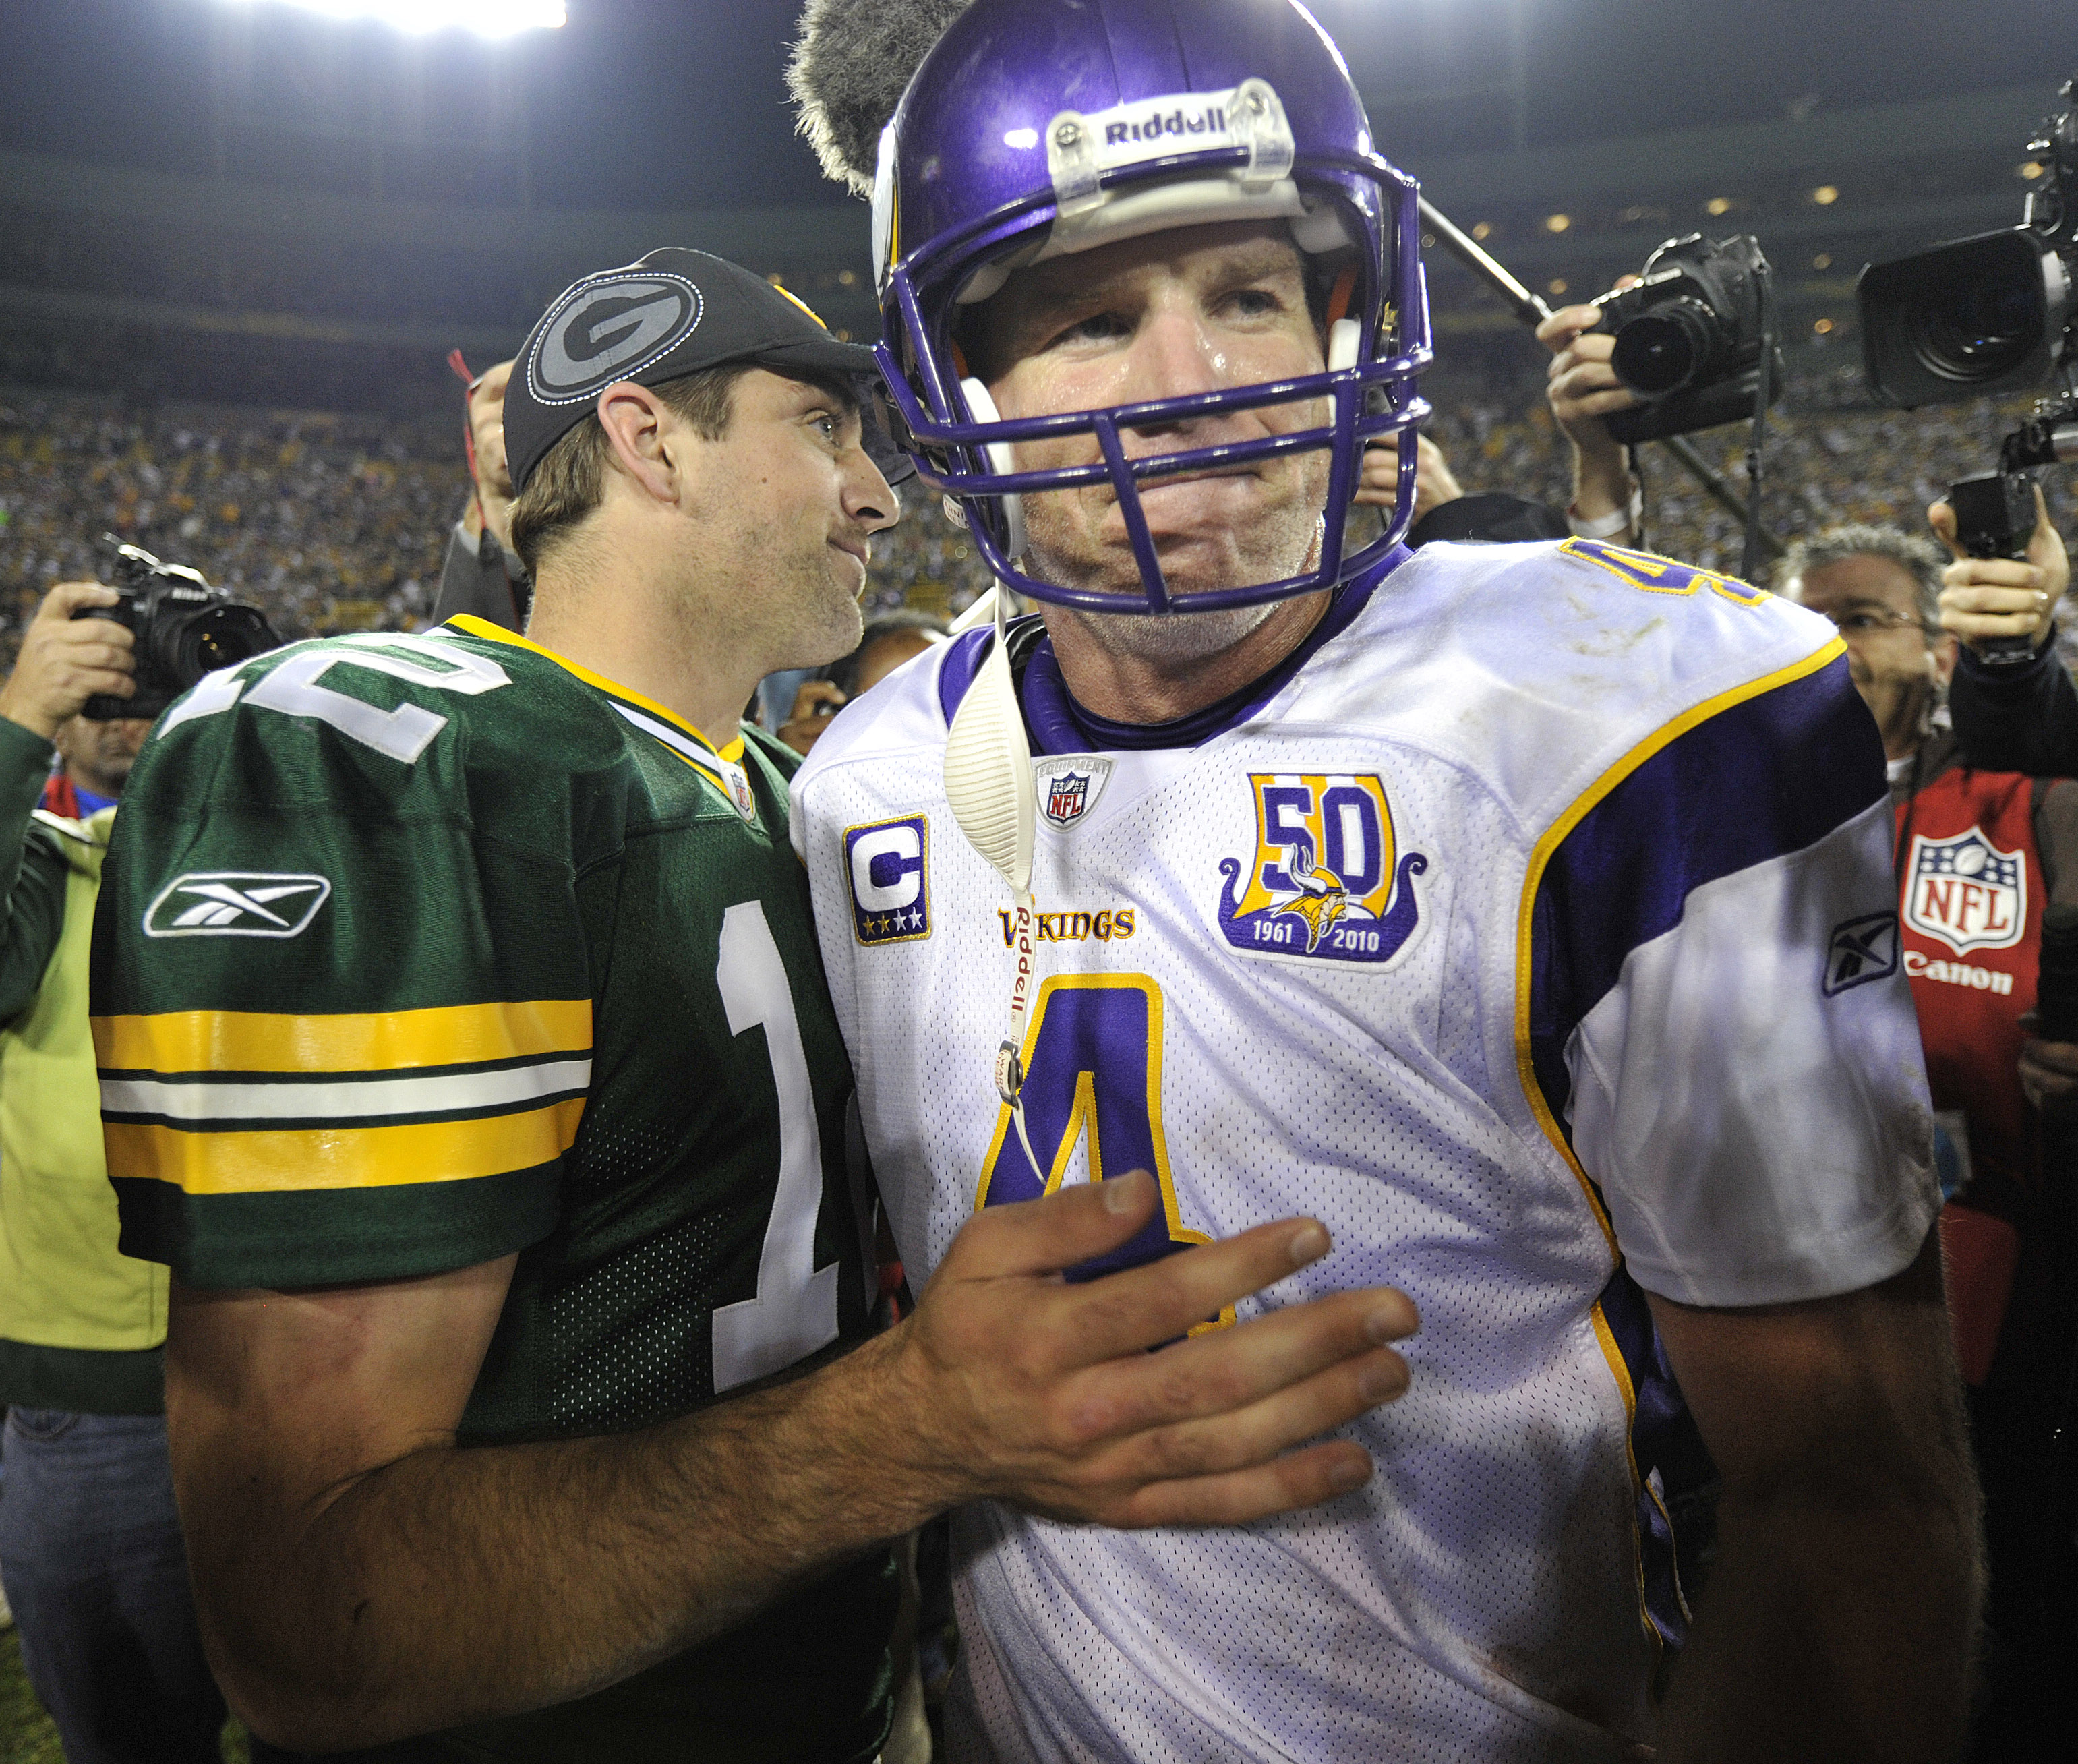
<point>785,501</point>
<point>1194,310</point>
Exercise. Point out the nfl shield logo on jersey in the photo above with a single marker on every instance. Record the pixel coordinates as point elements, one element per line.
<point>887,865</point>
<point>1068,788</point>
<point>1964,892</point>
<point>1326,879</point>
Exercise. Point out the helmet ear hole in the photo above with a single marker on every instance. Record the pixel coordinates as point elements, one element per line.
<point>981,408</point>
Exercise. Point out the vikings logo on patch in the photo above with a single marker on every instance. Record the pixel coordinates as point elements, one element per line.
<point>1068,788</point>
<point>887,865</point>
<point>1327,879</point>
<point>1963,891</point>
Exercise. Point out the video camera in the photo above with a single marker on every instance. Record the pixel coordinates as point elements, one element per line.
<point>1992,313</point>
<point>184,629</point>
<point>1691,336</point>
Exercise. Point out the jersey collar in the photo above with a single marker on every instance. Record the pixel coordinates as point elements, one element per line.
<point>1059,725</point>
<point>482,627</point>
<point>722,766</point>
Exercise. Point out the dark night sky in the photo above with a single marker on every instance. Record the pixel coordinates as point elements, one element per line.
<point>679,104</point>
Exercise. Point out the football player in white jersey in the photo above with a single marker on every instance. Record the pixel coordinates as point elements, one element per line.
<point>1523,911</point>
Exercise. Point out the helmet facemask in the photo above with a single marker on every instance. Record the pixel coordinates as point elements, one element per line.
<point>1351,216</point>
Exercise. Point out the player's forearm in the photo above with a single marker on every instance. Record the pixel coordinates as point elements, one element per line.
<point>1839,1626</point>
<point>456,1585</point>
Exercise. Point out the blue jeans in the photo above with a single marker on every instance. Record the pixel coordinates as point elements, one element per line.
<point>91,1556</point>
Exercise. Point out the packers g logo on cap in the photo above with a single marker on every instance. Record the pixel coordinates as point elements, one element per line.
<point>610,329</point>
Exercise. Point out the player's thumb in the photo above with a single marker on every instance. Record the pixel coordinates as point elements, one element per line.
<point>1060,1230</point>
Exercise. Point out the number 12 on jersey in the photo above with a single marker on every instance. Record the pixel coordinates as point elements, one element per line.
<point>1093,1082</point>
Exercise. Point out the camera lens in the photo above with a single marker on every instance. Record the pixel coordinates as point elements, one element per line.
<point>1664,348</point>
<point>1980,330</point>
<point>218,637</point>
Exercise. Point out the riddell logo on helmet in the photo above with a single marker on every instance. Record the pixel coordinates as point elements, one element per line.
<point>1211,120</point>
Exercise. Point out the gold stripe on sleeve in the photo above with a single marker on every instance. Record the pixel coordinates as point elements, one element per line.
<point>386,1040</point>
<point>275,1161</point>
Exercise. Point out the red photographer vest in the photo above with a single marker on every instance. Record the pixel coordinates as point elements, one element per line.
<point>1970,896</point>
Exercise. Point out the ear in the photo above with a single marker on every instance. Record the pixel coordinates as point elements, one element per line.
<point>644,439</point>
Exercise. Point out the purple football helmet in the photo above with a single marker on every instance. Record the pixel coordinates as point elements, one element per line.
<point>1036,128</point>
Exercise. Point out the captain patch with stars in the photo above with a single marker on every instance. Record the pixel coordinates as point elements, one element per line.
<point>888,866</point>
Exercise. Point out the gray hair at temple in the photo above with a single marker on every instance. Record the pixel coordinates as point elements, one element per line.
<point>1919,558</point>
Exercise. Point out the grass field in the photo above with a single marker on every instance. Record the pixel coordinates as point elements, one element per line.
<point>27,1735</point>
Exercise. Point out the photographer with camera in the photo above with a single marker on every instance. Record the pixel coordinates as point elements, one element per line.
<point>2021,718</point>
<point>1982,856</point>
<point>90,1546</point>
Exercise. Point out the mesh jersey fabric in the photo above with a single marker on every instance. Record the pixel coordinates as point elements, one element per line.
<point>1313,963</point>
<point>416,952</point>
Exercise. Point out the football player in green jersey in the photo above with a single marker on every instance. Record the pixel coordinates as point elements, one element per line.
<point>465,1049</point>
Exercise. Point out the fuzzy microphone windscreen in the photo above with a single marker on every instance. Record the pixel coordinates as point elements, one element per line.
<point>851,64</point>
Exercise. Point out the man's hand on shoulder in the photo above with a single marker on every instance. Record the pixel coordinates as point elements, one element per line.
<point>1996,597</point>
<point>65,662</point>
<point>1017,1385</point>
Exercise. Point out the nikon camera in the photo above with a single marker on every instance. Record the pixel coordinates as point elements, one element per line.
<point>1688,338</point>
<point>184,629</point>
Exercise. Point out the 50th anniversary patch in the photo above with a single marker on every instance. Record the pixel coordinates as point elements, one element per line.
<point>887,868</point>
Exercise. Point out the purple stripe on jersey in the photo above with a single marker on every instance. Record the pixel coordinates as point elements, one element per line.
<point>1059,725</point>
<point>1677,1518</point>
<point>1757,781</point>
<point>960,662</point>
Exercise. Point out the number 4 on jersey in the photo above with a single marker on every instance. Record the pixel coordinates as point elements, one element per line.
<point>1093,1080</point>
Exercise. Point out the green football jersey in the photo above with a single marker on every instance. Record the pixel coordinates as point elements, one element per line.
<point>413,952</point>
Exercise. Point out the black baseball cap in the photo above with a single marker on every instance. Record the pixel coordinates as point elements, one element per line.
<point>661,317</point>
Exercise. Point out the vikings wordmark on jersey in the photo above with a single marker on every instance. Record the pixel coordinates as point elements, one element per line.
<point>1570,865</point>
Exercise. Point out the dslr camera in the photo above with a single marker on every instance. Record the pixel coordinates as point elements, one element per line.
<point>1689,338</point>
<point>184,629</point>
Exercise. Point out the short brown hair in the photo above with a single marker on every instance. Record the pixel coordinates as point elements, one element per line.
<point>569,481</point>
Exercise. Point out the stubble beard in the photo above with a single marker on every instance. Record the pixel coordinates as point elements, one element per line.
<point>1170,639</point>
<point>1173,638</point>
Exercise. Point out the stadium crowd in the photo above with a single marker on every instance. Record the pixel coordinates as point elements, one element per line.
<point>332,523</point>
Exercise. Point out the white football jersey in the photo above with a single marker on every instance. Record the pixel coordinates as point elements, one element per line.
<point>1534,920</point>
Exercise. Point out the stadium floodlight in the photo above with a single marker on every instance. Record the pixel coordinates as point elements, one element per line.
<point>483,17</point>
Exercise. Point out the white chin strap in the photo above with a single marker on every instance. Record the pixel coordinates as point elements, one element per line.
<point>989,788</point>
